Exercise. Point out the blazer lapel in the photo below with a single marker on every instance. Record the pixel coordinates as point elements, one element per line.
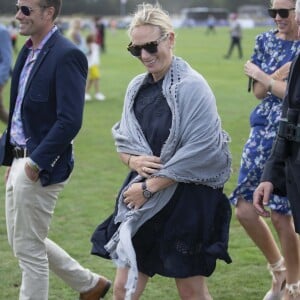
<point>42,55</point>
<point>36,66</point>
<point>17,72</point>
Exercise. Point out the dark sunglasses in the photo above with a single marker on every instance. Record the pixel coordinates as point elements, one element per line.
<point>26,10</point>
<point>282,12</point>
<point>150,47</point>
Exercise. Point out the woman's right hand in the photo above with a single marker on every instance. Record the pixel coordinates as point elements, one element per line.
<point>253,71</point>
<point>145,165</point>
<point>261,198</point>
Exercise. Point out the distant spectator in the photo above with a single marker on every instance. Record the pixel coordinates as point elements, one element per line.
<point>100,33</point>
<point>60,25</point>
<point>113,25</point>
<point>76,36</point>
<point>211,24</point>
<point>5,66</point>
<point>235,36</point>
<point>93,56</point>
<point>13,31</point>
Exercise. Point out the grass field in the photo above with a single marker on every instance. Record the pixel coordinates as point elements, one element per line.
<point>89,197</point>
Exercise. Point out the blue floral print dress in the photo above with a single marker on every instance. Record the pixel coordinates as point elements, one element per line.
<point>270,53</point>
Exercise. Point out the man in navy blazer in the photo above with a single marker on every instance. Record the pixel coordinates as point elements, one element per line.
<point>46,108</point>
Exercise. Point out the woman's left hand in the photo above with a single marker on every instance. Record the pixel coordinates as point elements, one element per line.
<point>145,165</point>
<point>133,196</point>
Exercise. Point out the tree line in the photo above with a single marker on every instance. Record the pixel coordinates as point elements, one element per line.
<point>120,7</point>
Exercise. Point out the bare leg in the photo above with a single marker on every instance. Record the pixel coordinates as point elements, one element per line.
<point>88,85</point>
<point>290,246</point>
<point>120,282</point>
<point>98,95</point>
<point>96,86</point>
<point>193,288</point>
<point>259,231</point>
<point>87,90</point>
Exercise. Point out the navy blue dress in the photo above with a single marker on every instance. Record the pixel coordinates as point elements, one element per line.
<point>191,232</point>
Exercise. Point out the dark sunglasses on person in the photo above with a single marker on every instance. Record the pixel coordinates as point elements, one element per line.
<point>151,47</point>
<point>26,10</point>
<point>282,12</point>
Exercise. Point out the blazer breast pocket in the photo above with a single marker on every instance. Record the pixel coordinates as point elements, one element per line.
<point>39,91</point>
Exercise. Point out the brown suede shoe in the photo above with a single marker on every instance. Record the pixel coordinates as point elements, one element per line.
<point>98,291</point>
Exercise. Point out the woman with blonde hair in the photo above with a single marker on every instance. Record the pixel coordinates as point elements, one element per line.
<point>269,69</point>
<point>76,36</point>
<point>171,216</point>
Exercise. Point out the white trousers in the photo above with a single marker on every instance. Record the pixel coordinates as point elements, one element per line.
<point>29,209</point>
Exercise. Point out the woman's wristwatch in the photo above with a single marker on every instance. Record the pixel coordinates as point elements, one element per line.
<point>146,193</point>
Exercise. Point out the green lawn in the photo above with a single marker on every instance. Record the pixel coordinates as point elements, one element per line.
<point>98,174</point>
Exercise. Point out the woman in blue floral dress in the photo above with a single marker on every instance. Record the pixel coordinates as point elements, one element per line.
<point>269,67</point>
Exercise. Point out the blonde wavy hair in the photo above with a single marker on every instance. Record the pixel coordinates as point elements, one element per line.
<point>154,15</point>
<point>292,1</point>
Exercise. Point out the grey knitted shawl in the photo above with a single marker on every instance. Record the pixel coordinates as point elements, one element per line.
<point>196,151</point>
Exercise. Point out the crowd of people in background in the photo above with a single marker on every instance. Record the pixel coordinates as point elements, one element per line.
<point>89,37</point>
<point>78,28</point>
<point>92,45</point>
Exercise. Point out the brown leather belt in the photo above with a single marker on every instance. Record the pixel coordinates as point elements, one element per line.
<point>19,152</point>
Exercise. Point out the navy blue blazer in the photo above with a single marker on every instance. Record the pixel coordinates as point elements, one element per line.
<point>52,108</point>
